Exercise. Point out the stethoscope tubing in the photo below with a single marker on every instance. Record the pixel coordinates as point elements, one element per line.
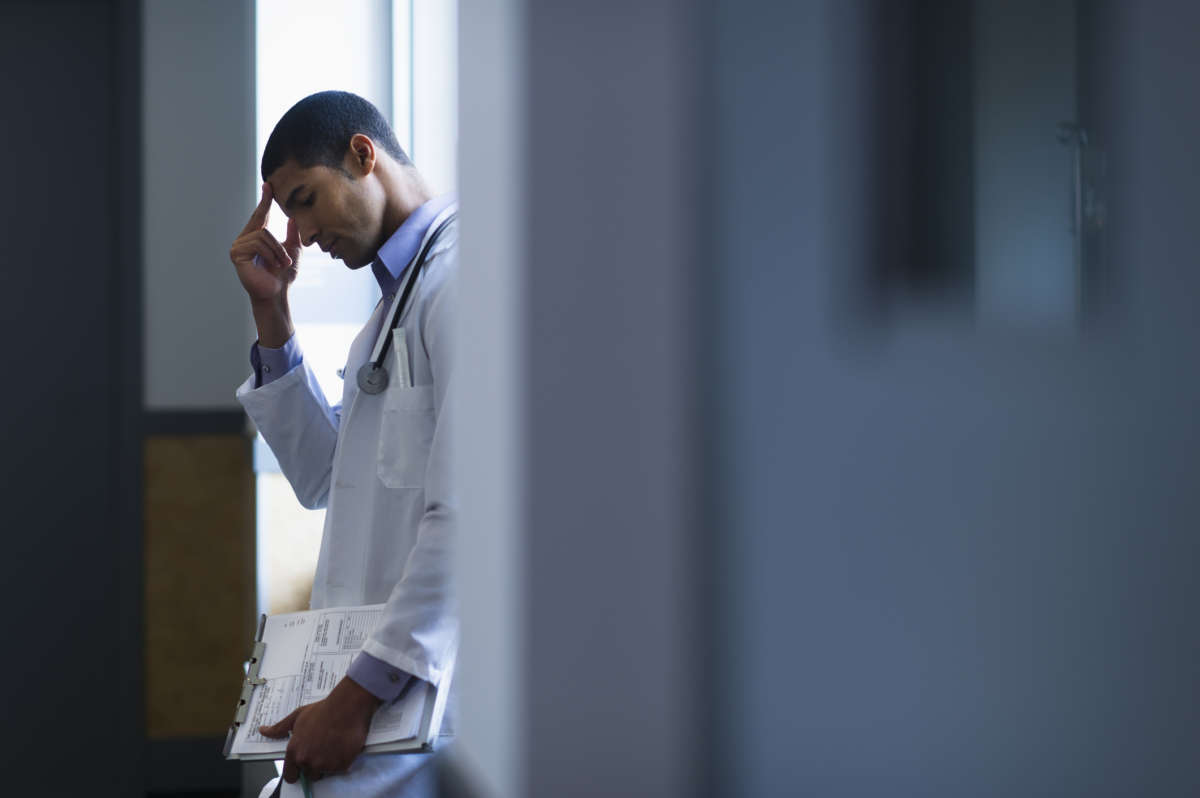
<point>373,376</point>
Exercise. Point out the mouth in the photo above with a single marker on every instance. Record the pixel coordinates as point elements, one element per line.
<point>329,248</point>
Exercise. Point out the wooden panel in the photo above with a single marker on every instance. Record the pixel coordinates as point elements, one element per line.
<point>199,581</point>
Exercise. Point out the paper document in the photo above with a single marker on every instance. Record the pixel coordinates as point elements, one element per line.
<point>305,655</point>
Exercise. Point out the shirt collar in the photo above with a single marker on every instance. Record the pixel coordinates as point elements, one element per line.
<point>396,253</point>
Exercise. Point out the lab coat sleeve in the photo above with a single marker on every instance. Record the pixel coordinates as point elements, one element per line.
<point>299,425</point>
<point>419,625</point>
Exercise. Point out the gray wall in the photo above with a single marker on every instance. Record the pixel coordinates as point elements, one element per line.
<point>491,455</point>
<point>580,660</point>
<point>613,234</point>
<point>1025,83</point>
<point>955,561</point>
<point>199,183</point>
<point>922,555</point>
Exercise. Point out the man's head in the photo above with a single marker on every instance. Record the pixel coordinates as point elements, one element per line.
<point>332,161</point>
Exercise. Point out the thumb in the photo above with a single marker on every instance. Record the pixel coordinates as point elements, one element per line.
<point>280,729</point>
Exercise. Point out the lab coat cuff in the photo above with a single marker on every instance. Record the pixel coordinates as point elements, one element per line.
<point>262,402</point>
<point>255,395</point>
<point>396,659</point>
<point>297,423</point>
<point>377,677</point>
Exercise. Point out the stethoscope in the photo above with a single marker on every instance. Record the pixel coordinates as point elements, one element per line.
<point>373,376</point>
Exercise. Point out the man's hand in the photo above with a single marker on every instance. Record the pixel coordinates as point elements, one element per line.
<point>327,735</point>
<point>266,268</point>
<point>267,278</point>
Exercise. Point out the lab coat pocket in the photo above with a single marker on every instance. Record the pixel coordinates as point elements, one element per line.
<point>406,435</point>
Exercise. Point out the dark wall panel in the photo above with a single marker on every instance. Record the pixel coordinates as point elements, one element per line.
<point>69,93</point>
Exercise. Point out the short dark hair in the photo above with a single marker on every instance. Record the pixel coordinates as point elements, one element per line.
<point>317,130</point>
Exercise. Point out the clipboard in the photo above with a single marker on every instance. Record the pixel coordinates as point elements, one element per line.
<point>296,658</point>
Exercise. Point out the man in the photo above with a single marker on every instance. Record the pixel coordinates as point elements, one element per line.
<point>377,461</point>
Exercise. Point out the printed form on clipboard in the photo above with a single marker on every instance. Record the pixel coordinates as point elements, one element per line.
<point>298,658</point>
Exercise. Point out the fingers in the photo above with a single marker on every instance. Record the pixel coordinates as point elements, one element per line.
<point>265,246</point>
<point>291,771</point>
<point>295,763</point>
<point>296,769</point>
<point>258,217</point>
<point>280,729</point>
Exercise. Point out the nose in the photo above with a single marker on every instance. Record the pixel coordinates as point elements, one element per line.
<point>308,233</point>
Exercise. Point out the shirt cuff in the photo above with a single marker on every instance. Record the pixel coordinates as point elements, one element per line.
<point>377,677</point>
<point>271,364</point>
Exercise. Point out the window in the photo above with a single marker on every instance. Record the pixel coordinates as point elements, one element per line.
<point>401,56</point>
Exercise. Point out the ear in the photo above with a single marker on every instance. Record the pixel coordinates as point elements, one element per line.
<point>360,159</point>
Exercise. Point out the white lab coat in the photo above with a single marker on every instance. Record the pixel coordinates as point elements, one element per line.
<point>379,464</point>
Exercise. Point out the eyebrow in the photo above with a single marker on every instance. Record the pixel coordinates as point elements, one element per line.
<point>292,197</point>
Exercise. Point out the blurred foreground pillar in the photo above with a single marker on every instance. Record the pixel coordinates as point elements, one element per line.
<point>581,669</point>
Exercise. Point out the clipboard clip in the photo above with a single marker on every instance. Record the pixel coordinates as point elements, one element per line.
<point>252,680</point>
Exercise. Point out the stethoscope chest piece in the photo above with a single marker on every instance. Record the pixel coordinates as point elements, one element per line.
<point>372,378</point>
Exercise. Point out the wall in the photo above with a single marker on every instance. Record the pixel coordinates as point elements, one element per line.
<point>198,129</point>
<point>70,408</point>
<point>1024,69</point>
<point>924,554</point>
<point>199,581</point>
<point>954,561</point>
<point>199,179</point>
<point>489,564</point>
<point>578,667</point>
<point>613,226</point>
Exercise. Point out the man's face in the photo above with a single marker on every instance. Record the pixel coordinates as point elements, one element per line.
<point>339,212</point>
